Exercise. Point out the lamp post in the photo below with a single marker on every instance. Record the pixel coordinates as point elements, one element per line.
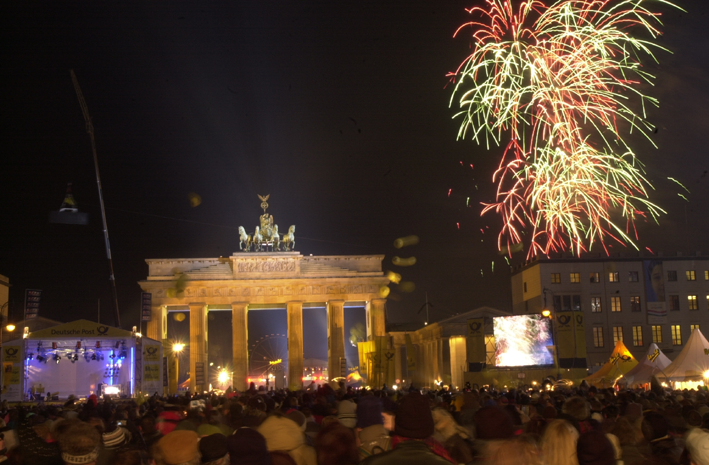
<point>551,313</point>
<point>177,349</point>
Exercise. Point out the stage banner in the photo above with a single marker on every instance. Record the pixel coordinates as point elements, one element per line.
<point>146,306</point>
<point>569,346</point>
<point>476,342</point>
<point>410,354</point>
<point>32,300</point>
<point>81,328</point>
<point>12,371</point>
<point>152,367</point>
<point>655,292</point>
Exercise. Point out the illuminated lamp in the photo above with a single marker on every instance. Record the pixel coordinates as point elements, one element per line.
<point>56,357</point>
<point>546,313</point>
<point>54,345</point>
<point>706,374</point>
<point>10,327</point>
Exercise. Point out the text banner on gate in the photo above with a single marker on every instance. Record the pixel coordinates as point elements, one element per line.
<point>32,300</point>
<point>147,303</point>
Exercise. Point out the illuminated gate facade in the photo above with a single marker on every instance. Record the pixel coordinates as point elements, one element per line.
<point>255,279</point>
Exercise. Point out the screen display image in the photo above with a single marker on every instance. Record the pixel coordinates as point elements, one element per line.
<point>522,340</point>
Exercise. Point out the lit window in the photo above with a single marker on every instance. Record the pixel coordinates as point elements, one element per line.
<point>596,277</point>
<point>597,337</point>
<point>672,276</point>
<point>617,334</point>
<point>693,327</point>
<point>676,335</point>
<point>575,277</point>
<point>690,275</point>
<point>637,336</point>
<point>706,275</point>
<point>556,278</point>
<point>613,277</point>
<point>657,334</point>
<point>635,303</point>
<point>692,301</point>
<point>633,276</point>
<point>615,304</point>
<point>674,303</point>
<point>596,304</point>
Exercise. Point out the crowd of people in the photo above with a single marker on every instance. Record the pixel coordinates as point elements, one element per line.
<point>326,425</point>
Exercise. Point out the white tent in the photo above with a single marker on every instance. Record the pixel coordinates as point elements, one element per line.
<point>692,362</point>
<point>653,363</point>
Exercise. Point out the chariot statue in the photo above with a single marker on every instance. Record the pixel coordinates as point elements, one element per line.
<point>266,236</point>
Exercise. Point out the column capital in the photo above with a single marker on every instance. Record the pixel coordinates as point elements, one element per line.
<point>239,304</point>
<point>294,302</point>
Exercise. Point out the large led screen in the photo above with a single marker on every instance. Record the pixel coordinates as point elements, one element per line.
<point>522,340</point>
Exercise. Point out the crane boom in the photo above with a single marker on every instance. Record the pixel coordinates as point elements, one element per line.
<point>90,131</point>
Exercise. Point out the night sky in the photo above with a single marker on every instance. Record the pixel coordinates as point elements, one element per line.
<point>338,110</point>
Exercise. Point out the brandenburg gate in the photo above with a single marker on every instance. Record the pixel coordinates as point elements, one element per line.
<point>266,273</point>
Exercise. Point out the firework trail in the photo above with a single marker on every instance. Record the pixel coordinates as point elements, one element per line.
<point>559,86</point>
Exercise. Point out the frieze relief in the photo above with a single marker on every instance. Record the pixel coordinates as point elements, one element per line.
<point>266,266</point>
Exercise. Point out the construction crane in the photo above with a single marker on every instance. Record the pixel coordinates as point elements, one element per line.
<point>90,131</point>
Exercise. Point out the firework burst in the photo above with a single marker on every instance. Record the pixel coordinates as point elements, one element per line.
<point>556,82</point>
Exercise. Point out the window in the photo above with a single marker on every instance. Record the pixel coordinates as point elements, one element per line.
<point>676,335</point>
<point>692,301</point>
<point>615,304</point>
<point>693,327</point>
<point>690,275</point>
<point>596,304</point>
<point>617,334</point>
<point>672,276</point>
<point>555,278</point>
<point>657,334</point>
<point>635,303</point>
<point>706,275</point>
<point>596,277</point>
<point>637,336</point>
<point>674,303</point>
<point>633,276</point>
<point>613,277</point>
<point>575,277</point>
<point>525,287</point>
<point>597,337</point>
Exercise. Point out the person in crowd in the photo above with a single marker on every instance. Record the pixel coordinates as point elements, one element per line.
<point>80,445</point>
<point>283,435</point>
<point>336,444</point>
<point>413,443</point>
<point>213,450</point>
<point>373,437</point>
<point>559,443</point>
<point>247,447</point>
<point>177,448</point>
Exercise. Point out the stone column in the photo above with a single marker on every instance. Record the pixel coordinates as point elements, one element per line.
<point>398,366</point>
<point>157,326</point>
<point>377,323</point>
<point>240,345</point>
<point>295,345</point>
<point>198,344</point>
<point>335,337</point>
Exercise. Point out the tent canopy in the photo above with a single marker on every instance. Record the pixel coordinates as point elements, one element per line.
<point>654,362</point>
<point>620,362</point>
<point>692,362</point>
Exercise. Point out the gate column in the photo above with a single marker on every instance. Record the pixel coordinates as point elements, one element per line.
<point>240,346</point>
<point>335,337</point>
<point>198,345</point>
<point>377,322</point>
<point>295,345</point>
<point>156,327</point>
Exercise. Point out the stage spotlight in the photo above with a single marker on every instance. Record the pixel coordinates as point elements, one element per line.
<point>30,356</point>
<point>41,359</point>
<point>93,357</point>
<point>57,358</point>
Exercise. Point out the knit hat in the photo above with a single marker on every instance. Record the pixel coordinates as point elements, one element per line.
<point>213,447</point>
<point>247,447</point>
<point>697,442</point>
<point>493,423</point>
<point>369,412</point>
<point>114,439</point>
<point>413,417</point>
<point>179,447</point>
<point>594,448</point>
<point>346,413</point>
<point>80,459</point>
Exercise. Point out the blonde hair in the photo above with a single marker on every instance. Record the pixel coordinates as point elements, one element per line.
<point>559,443</point>
<point>516,452</point>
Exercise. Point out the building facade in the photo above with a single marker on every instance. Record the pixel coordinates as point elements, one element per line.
<point>637,299</point>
